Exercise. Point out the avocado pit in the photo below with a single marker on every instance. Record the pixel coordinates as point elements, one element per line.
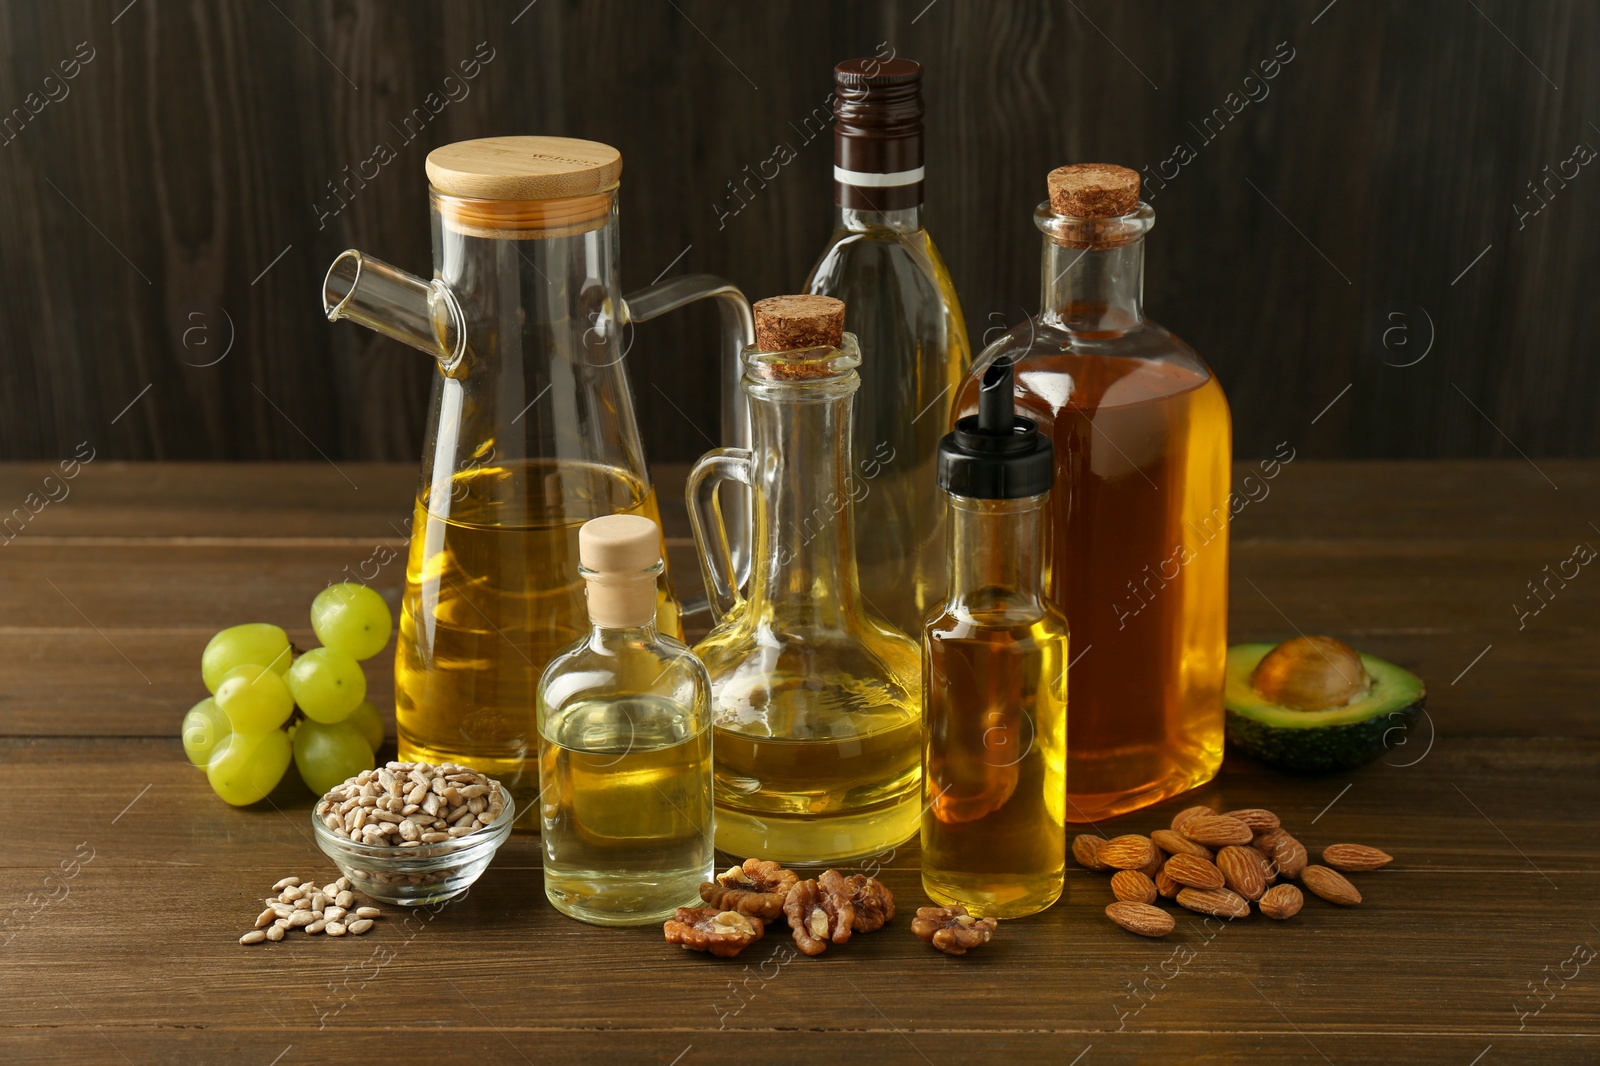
<point>1311,674</point>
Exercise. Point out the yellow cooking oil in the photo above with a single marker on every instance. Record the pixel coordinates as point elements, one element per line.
<point>815,765</point>
<point>492,594</point>
<point>626,809</point>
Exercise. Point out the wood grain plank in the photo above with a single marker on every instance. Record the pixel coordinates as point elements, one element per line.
<point>1486,891</point>
<point>1403,559</point>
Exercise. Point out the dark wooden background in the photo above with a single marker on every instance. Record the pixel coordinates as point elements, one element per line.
<point>166,209</point>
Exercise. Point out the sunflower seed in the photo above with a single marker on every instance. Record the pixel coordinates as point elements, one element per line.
<point>254,936</point>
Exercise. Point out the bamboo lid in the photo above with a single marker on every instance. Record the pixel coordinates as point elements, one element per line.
<point>524,188</point>
<point>524,168</point>
<point>784,323</point>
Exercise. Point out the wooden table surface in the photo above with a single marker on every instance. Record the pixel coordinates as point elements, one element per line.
<point>1474,947</point>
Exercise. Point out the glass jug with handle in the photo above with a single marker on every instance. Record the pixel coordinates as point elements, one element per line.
<point>531,434</point>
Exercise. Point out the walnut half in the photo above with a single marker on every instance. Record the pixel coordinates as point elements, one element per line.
<point>756,888</point>
<point>722,933</point>
<point>951,929</point>
<point>818,916</point>
<point>871,898</point>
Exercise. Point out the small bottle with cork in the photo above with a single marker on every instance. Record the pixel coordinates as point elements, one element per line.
<point>995,674</point>
<point>624,745</point>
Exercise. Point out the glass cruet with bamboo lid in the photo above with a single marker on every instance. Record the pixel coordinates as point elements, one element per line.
<point>531,433</point>
<point>816,702</point>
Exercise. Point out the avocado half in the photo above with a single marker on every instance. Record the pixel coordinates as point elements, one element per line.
<point>1316,705</point>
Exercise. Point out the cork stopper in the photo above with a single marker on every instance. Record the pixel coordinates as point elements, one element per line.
<point>784,323</point>
<point>1094,190</point>
<point>619,544</point>
<point>620,555</point>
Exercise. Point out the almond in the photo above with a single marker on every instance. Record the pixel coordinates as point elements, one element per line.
<point>1157,859</point>
<point>1086,848</point>
<point>1266,839</point>
<point>1131,886</point>
<point>1330,886</point>
<point>1241,869</point>
<point>1175,843</point>
<point>1269,872</point>
<point>1166,887</point>
<point>1217,902</point>
<point>1141,918</point>
<point>1193,872</point>
<point>1217,830</point>
<point>1255,817</point>
<point>1355,857</point>
<point>1127,852</point>
<point>1287,855</point>
<point>1281,901</point>
<point>1187,813</point>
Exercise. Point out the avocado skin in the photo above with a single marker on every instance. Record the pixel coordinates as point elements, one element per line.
<point>1324,749</point>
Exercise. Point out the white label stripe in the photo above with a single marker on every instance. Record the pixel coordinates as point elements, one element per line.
<point>876,181</point>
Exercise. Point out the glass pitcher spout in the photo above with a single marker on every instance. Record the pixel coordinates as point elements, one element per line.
<point>397,304</point>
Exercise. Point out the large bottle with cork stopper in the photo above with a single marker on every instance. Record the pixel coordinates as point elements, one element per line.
<point>624,725</point>
<point>902,307</point>
<point>816,701</point>
<point>1139,510</point>
<point>531,433</point>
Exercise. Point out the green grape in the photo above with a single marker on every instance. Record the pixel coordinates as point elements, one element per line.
<point>255,699</point>
<point>253,644</point>
<point>326,755</point>
<point>247,766</point>
<point>370,722</point>
<point>327,684</point>
<point>351,618</point>
<point>204,727</point>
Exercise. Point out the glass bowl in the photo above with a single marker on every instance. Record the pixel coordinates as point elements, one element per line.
<point>410,877</point>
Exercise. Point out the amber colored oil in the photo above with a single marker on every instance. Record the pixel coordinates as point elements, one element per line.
<point>492,595</point>
<point>1139,548</point>
<point>994,824</point>
<point>848,785</point>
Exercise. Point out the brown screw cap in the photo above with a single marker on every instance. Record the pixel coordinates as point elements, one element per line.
<point>784,323</point>
<point>1094,190</point>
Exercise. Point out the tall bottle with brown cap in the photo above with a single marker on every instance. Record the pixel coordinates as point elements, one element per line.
<point>902,308</point>
<point>531,433</point>
<point>1140,505</point>
<point>816,703</point>
<point>624,745</point>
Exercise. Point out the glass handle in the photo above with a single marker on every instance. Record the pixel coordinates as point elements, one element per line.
<point>738,333</point>
<point>709,522</point>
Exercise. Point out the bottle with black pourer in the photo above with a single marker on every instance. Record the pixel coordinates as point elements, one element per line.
<point>994,667</point>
